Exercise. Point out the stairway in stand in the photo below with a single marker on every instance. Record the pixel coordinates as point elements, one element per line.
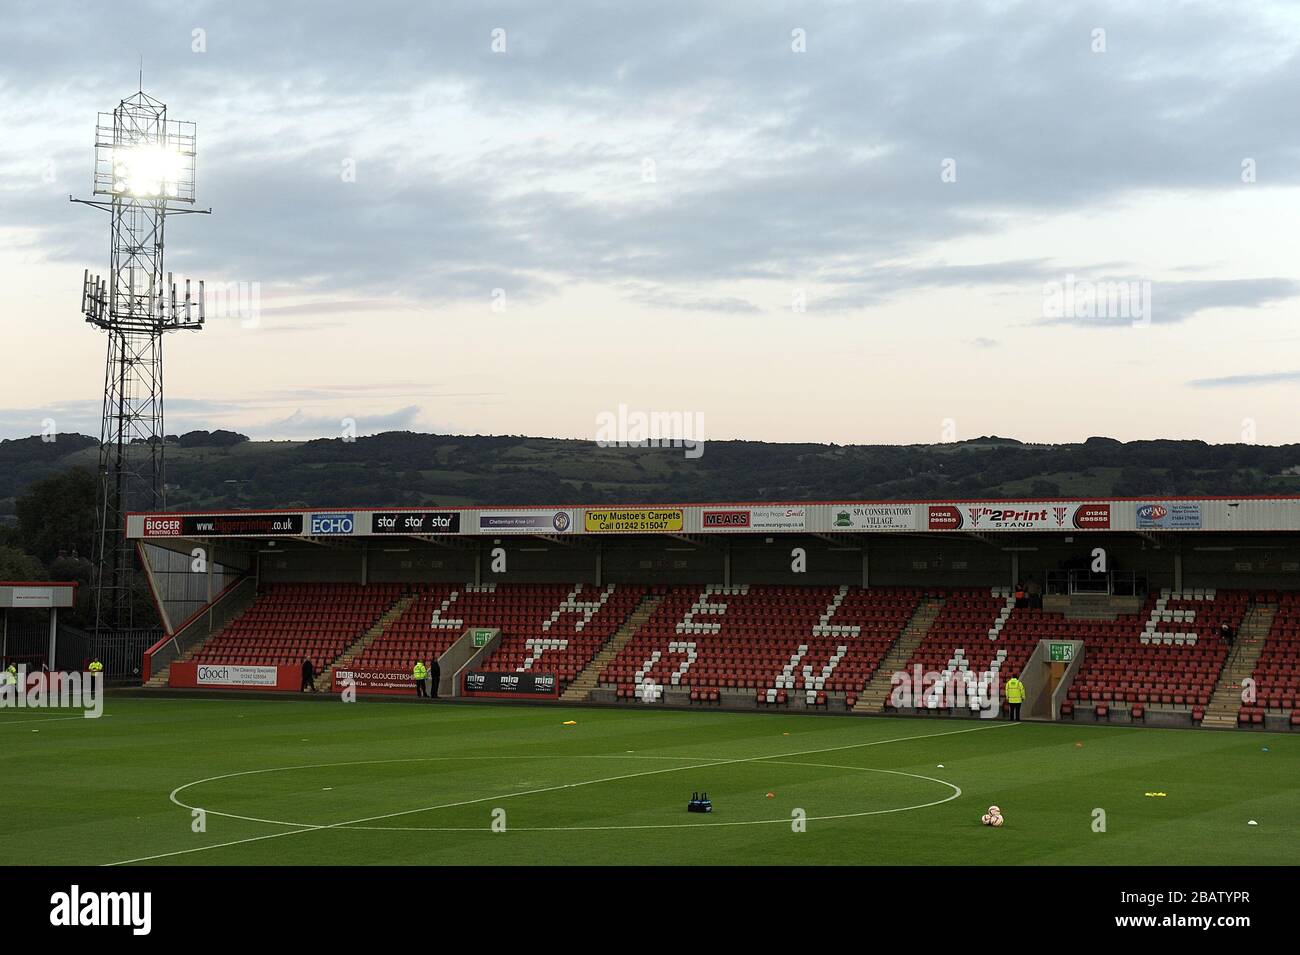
<point>1226,701</point>
<point>161,677</point>
<point>589,678</point>
<point>876,695</point>
<point>366,639</point>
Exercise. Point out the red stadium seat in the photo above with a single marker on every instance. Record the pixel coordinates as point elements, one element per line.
<point>545,628</point>
<point>1125,663</point>
<point>782,638</point>
<point>287,623</point>
<point>1277,671</point>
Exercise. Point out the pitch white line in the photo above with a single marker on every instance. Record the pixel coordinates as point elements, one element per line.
<point>306,827</point>
<point>47,719</point>
<point>956,793</point>
<point>410,759</point>
<point>707,763</point>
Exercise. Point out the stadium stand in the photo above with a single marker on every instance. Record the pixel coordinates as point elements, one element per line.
<point>971,636</point>
<point>773,641</point>
<point>552,628</point>
<point>410,637</point>
<point>705,609</point>
<point>288,623</point>
<point>1277,670</point>
<point>1169,655</point>
<point>556,627</point>
<point>776,644</point>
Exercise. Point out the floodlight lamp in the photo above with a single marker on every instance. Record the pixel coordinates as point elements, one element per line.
<point>147,171</point>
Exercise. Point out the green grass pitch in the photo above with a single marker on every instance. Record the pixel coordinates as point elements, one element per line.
<point>316,782</point>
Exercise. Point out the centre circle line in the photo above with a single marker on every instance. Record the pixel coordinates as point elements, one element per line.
<point>306,827</point>
<point>712,761</point>
<point>956,793</point>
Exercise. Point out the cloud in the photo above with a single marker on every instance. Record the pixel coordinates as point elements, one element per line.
<point>1248,380</point>
<point>854,288</point>
<point>366,161</point>
<point>476,171</point>
<point>188,414</point>
<point>301,327</point>
<point>1178,301</point>
<point>302,424</point>
<point>665,298</point>
<point>71,417</point>
<point>332,306</point>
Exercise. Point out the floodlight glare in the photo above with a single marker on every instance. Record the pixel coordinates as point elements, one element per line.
<point>147,170</point>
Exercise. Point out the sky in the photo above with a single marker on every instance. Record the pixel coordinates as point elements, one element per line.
<point>824,222</point>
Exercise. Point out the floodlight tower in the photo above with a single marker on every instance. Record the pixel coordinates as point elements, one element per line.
<point>144,172</point>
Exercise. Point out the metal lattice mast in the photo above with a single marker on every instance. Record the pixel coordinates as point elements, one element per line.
<point>144,166</point>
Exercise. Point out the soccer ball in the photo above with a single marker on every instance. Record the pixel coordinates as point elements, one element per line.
<point>994,811</point>
<point>986,819</point>
<point>995,821</point>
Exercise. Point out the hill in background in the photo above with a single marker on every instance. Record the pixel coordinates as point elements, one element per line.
<point>410,469</point>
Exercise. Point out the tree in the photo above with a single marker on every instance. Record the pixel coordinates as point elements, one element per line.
<point>15,565</point>
<point>226,439</point>
<point>57,514</point>
<point>211,439</point>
